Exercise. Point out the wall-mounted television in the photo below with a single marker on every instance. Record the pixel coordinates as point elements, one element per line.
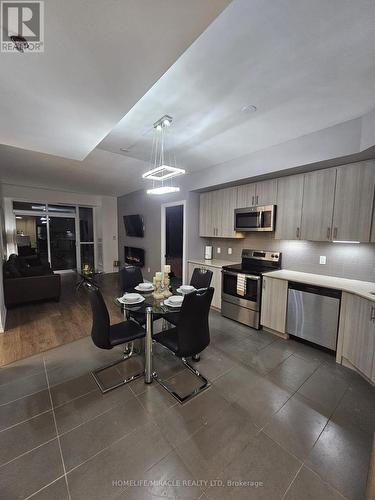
<point>134,225</point>
<point>134,256</point>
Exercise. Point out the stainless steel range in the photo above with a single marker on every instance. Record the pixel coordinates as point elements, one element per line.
<point>242,285</point>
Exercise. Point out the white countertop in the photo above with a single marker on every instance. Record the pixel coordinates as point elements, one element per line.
<point>213,262</point>
<point>361,288</point>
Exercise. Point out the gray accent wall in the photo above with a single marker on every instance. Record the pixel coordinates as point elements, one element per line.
<point>149,206</point>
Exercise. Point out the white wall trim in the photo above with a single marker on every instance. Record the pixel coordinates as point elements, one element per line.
<point>162,240</point>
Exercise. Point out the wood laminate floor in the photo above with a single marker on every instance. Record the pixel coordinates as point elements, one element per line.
<point>38,327</point>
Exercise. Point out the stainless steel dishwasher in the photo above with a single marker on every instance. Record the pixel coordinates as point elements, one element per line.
<point>313,314</point>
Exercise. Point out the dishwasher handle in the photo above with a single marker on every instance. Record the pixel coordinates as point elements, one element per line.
<point>317,290</point>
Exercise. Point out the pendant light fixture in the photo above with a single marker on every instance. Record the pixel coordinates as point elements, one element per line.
<point>163,162</point>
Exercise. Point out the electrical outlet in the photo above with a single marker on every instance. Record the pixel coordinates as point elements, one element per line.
<point>322,259</point>
<point>229,251</point>
<point>148,270</point>
<point>218,250</point>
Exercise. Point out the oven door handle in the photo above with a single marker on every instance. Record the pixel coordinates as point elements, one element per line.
<point>247,276</point>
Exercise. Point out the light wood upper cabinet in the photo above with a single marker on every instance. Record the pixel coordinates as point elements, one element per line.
<point>228,202</point>
<point>216,214</point>
<point>257,193</point>
<point>204,215</point>
<point>359,333</point>
<point>266,192</point>
<point>289,207</point>
<point>317,209</point>
<point>246,195</point>
<point>274,304</point>
<point>209,216</point>
<point>354,198</point>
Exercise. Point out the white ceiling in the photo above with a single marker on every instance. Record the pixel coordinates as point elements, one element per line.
<point>306,65</point>
<point>100,58</point>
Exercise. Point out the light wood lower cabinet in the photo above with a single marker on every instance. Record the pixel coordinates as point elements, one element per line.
<point>358,332</point>
<point>274,304</point>
<point>216,281</point>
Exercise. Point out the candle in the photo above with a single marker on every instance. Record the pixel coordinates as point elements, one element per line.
<point>158,276</point>
<point>167,269</point>
<point>154,281</point>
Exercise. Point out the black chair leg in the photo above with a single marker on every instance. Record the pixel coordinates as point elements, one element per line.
<point>204,383</point>
<point>128,353</point>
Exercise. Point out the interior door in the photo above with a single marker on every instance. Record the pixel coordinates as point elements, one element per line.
<point>174,239</point>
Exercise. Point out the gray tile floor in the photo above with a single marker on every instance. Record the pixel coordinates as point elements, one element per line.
<point>280,420</point>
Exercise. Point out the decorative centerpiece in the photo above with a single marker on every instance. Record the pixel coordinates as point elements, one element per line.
<point>166,291</point>
<point>157,282</point>
<point>161,284</point>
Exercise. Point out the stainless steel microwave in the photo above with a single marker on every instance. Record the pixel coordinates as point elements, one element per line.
<point>258,218</point>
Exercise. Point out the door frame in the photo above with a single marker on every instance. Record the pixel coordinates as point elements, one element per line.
<point>163,234</point>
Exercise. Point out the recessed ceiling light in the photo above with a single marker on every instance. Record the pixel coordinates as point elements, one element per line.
<point>124,150</point>
<point>249,108</point>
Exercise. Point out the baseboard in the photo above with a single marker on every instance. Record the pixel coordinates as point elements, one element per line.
<point>284,336</point>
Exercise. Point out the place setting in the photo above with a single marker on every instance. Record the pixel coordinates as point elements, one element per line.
<point>130,299</point>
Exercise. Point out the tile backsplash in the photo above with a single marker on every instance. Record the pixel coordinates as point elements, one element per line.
<point>343,260</point>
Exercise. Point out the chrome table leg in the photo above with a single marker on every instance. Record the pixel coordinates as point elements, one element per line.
<point>148,346</point>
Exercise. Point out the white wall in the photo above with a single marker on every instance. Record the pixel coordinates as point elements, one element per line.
<point>105,213</point>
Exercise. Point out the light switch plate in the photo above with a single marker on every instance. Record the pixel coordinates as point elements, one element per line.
<point>218,250</point>
<point>229,251</point>
<point>322,259</point>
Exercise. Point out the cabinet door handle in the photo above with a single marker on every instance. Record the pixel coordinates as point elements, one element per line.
<point>257,202</point>
<point>252,200</point>
<point>297,232</point>
<point>335,233</point>
<point>328,233</point>
<point>372,318</point>
<point>264,284</point>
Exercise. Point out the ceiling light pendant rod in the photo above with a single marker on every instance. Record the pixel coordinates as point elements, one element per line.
<point>159,155</point>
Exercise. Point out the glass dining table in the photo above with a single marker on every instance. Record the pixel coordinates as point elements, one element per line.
<point>149,307</point>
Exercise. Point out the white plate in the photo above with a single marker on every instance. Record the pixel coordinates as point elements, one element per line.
<point>127,303</point>
<point>184,292</point>
<point>131,297</point>
<point>141,289</point>
<point>171,304</point>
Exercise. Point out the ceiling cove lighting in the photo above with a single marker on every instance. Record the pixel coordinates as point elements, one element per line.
<point>163,163</point>
<point>346,241</point>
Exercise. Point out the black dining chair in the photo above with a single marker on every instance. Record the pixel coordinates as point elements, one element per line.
<point>107,336</point>
<point>190,337</point>
<point>201,278</point>
<point>130,277</point>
